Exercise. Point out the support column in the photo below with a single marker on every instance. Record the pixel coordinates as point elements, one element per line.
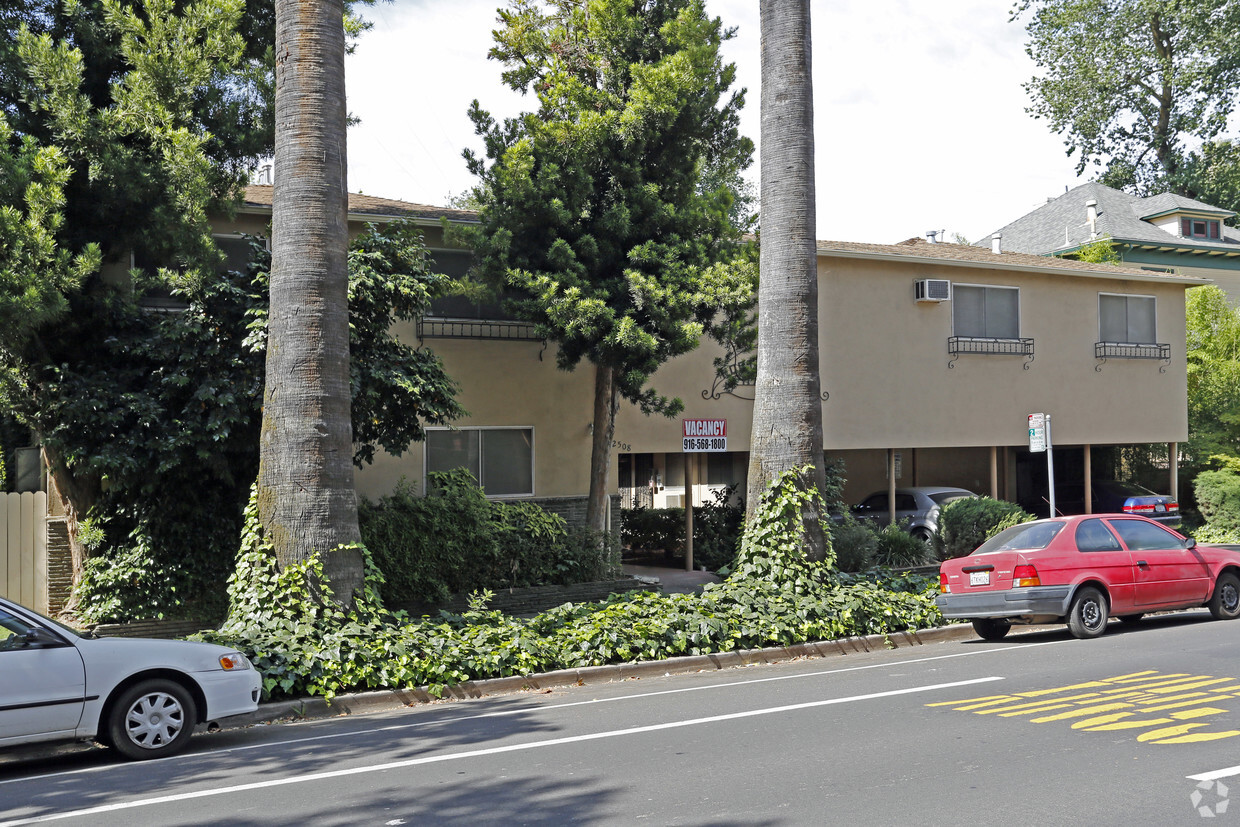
<point>690,477</point>
<point>1173,460</point>
<point>1089,479</point>
<point>891,485</point>
<point>994,472</point>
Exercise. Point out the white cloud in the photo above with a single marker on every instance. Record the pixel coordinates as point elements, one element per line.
<point>919,110</point>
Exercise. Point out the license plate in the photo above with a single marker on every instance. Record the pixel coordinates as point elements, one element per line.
<point>979,578</point>
<point>1160,507</point>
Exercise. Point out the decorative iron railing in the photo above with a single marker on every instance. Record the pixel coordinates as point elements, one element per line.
<point>958,346</point>
<point>1132,350</point>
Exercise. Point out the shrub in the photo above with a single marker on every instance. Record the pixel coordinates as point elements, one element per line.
<point>456,541</point>
<point>1218,499</point>
<point>965,524</point>
<point>896,548</point>
<point>855,544</point>
<point>716,530</point>
<point>650,529</point>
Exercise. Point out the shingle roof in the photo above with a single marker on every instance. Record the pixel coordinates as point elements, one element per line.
<point>965,255</point>
<point>1060,224</point>
<point>259,196</point>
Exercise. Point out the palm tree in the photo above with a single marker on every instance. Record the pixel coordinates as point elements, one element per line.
<point>787,416</point>
<point>306,497</point>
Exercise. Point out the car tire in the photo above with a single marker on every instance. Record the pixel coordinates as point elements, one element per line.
<point>924,535</point>
<point>152,719</point>
<point>1225,602</point>
<point>992,628</point>
<point>1087,616</point>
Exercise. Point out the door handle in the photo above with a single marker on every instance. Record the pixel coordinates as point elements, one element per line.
<point>1143,564</point>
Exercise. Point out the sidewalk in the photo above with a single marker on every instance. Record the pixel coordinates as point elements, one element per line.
<point>671,580</point>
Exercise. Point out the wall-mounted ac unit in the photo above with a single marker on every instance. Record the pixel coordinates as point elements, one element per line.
<point>932,290</point>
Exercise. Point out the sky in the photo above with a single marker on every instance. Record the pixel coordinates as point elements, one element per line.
<point>920,120</point>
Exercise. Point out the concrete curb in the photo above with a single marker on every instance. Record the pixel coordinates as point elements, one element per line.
<point>360,702</point>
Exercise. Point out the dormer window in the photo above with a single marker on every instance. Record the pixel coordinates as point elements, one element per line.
<point>1199,228</point>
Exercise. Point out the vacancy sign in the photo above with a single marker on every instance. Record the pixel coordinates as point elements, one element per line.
<point>705,434</point>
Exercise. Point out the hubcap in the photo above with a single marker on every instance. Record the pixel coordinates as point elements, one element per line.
<point>1091,613</point>
<point>154,720</point>
<point>1231,597</point>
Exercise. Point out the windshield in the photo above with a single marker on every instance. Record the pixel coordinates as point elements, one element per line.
<point>1023,537</point>
<point>944,497</point>
<point>55,624</point>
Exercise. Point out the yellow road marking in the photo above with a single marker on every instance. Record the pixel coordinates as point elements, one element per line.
<point>1169,689</point>
<point>1077,713</point>
<point>1124,724</point>
<point>1199,737</point>
<point>1200,712</point>
<point>971,700</point>
<point>1031,711</point>
<point>1207,700</point>
<point>1167,732</point>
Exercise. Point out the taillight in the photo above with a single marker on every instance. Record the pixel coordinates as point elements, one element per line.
<point>1025,576</point>
<point>943,587</point>
<point>1173,506</point>
<point>1138,509</point>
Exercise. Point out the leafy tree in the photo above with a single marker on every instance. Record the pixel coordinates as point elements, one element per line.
<point>127,120</point>
<point>787,412</point>
<point>166,408</point>
<point>1213,351</point>
<point>592,208</point>
<point>1133,84</point>
<point>1099,251</point>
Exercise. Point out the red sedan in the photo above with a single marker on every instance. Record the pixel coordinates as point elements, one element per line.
<point>1083,570</point>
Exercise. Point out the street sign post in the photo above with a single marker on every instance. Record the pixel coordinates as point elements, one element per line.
<point>1039,441</point>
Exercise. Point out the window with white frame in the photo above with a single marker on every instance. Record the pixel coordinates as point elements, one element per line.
<point>501,459</point>
<point>1126,319</point>
<point>985,312</point>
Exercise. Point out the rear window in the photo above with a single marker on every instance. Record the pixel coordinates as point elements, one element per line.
<point>944,497</point>
<point>1023,537</point>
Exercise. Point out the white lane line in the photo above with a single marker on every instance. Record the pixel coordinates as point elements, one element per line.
<point>434,759</point>
<point>1211,776</point>
<point>530,708</point>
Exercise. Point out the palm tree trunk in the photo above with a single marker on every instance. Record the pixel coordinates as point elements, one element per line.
<point>306,498</point>
<point>787,418</point>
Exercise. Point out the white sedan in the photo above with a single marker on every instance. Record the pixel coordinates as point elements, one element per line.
<point>141,697</point>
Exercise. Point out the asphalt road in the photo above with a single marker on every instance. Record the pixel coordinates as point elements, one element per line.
<point>1141,726</point>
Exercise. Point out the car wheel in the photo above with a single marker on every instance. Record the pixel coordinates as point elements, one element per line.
<point>1225,602</point>
<point>1087,617</point>
<point>1131,618</point>
<point>991,628</point>
<point>924,535</point>
<point>152,719</point>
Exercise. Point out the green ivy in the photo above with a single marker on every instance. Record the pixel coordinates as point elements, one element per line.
<point>303,644</point>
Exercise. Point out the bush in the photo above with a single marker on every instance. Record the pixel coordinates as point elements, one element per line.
<point>965,524</point>
<point>1218,499</point>
<point>854,543</point>
<point>896,548</point>
<point>456,541</point>
<point>716,530</point>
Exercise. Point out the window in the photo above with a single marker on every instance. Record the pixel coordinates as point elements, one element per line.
<point>237,250</point>
<point>1139,535</point>
<point>1128,319</point>
<point>983,312</point>
<point>1092,535</point>
<point>501,459</point>
<point>1199,228</point>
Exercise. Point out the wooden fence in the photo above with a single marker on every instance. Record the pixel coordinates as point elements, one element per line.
<point>23,549</point>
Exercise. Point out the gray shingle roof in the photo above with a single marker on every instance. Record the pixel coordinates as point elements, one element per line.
<point>1061,224</point>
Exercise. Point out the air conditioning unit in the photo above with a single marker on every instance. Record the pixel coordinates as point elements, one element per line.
<point>932,290</point>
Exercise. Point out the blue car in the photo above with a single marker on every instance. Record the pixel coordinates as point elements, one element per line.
<point>1111,497</point>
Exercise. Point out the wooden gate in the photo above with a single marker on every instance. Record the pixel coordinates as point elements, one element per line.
<point>23,549</point>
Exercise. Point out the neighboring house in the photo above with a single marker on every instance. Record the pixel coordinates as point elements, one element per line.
<point>1168,233</point>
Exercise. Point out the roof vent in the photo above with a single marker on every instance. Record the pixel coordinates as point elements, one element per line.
<point>932,290</point>
<point>995,246</point>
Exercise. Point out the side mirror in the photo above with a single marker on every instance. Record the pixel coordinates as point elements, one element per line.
<point>1190,543</point>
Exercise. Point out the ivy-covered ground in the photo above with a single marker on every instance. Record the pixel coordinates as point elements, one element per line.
<point>304,644</point>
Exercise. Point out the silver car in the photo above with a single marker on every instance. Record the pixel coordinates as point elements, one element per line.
<point>917,508</point>
<point>141,697</point>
